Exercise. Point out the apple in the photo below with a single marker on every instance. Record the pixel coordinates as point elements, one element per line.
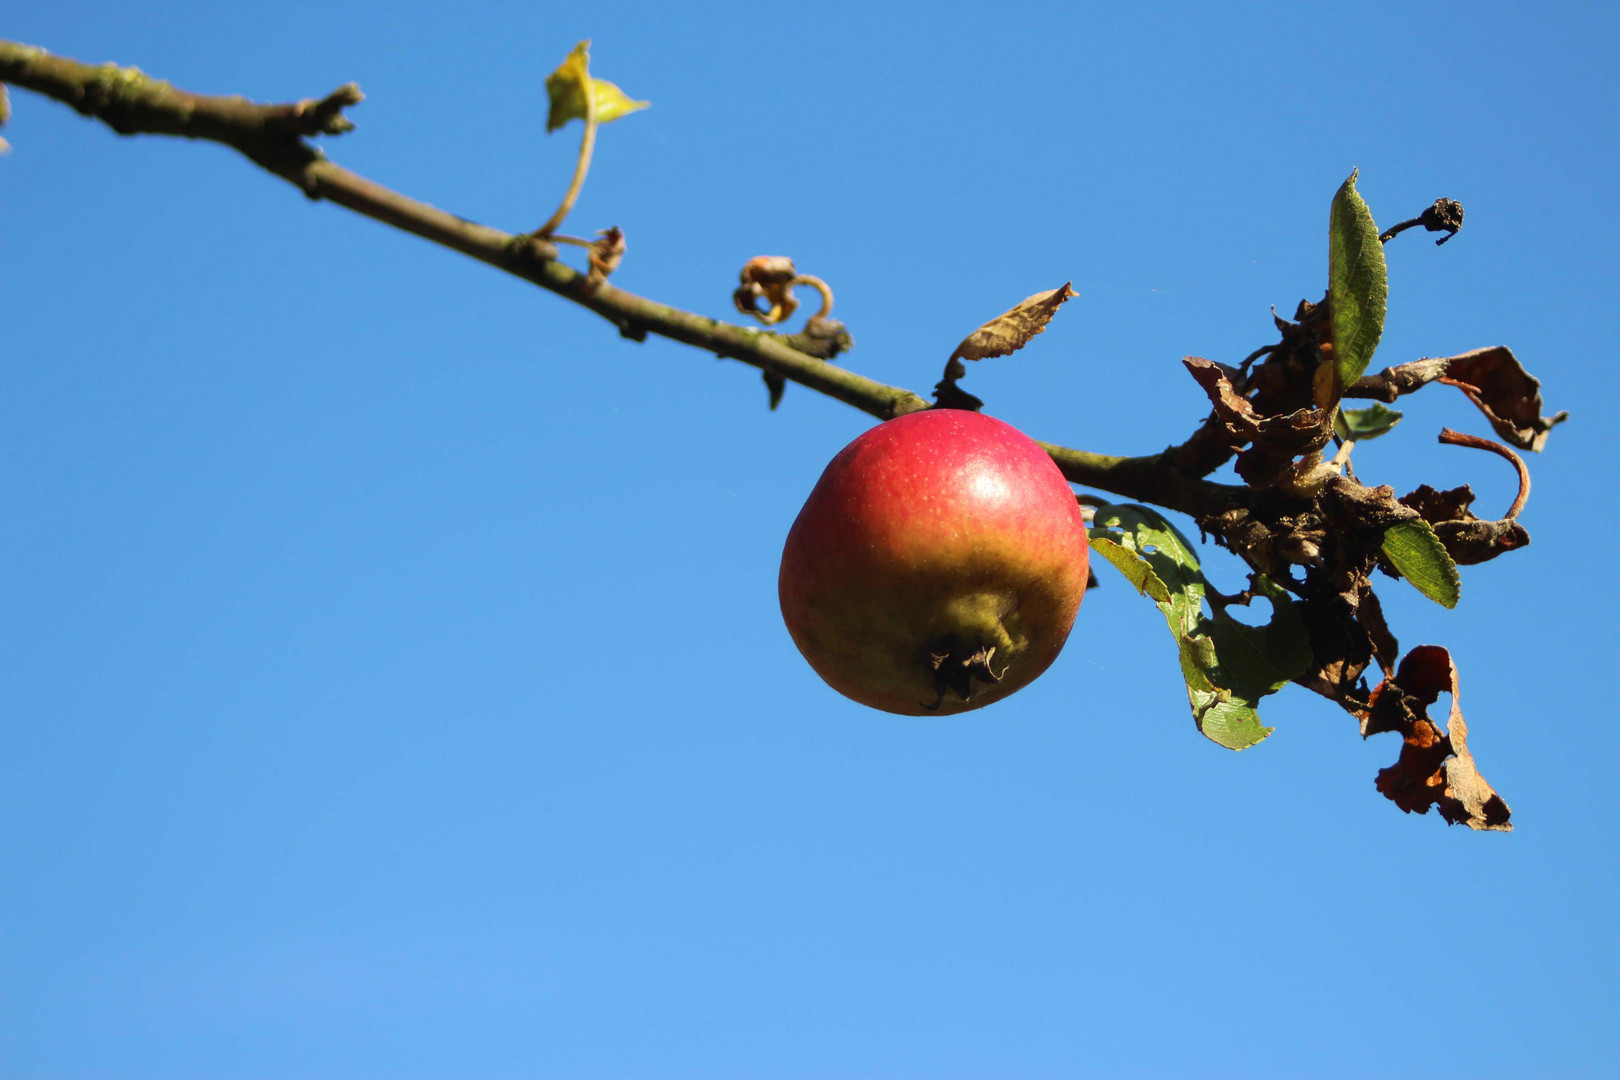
<point>937,566</point>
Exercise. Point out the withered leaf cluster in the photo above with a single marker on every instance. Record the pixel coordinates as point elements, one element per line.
<point>1319,532</point>
<point>1492,378</point>
<point>1311,531</point>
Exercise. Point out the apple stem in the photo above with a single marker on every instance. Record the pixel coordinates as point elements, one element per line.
<point>947,395</point>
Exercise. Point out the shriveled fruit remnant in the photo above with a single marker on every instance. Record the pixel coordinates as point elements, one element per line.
<point>937,566</point>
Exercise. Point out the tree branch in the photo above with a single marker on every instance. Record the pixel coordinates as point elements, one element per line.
<point>273,137</point>
<point>1330,530</point>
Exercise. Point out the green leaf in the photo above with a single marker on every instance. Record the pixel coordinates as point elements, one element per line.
<point>1358,287</point>
<point>1260,660</point>
<point>1227,666</point>
<point>1137,570</point>
<point>612,103</point>
<point>1359,425</point>
<point>567,87</point>
<point>1414,549</point>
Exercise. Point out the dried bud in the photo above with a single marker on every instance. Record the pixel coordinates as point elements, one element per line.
<point>767,277</point>
<point>606,252</point>
<point>1446,215</point>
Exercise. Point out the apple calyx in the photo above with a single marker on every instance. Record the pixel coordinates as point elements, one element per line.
<point>955,667</point>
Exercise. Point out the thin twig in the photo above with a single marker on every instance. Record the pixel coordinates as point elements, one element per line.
<point>270,135</point>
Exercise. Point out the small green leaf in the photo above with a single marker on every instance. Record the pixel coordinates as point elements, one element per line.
<point>566,87</point>
<point>1227,666</point>
<point>1359,425</point>
<point>1137,570</point>
<point>612,103</point>
<point>1233,724</point>
<point>1414,549</point>
<point>1260,660</point>
<point>1358,286</point>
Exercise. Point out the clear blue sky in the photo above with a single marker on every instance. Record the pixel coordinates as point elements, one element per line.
<point>391,677</point>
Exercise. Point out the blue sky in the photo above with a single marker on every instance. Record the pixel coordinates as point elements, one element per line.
<point>391,677</point>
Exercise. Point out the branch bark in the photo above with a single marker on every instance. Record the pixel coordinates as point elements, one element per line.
<point>275,138</point>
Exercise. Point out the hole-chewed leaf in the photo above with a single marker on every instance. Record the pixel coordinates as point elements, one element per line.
<point>1137,570</point>
<point>1228,666</point>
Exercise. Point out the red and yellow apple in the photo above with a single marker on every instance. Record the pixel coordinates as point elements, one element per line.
<point>937,566</point>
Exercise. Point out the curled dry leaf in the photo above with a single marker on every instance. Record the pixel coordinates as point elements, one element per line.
<point>1370,616</point>
<point>1508,395</point>
<point>1493,379</point>
<point>1435,506</point>
<point>1468,538</point>
<point>606,252</point>
<point>768,278</point>
<point>1012,330</point>
<point>1276,440</point>
<point>1435,768</point>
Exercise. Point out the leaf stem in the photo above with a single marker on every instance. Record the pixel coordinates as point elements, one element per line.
<point>587,147</point>
<point>1457,438</point>
<point>821,287</point>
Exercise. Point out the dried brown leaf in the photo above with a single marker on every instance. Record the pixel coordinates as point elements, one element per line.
<point>1435,768</point>
<point>1341,647</point>
<point>1234,410</point>
<point>1468,539</point>
<point>1508,395</point>
<point>1436,506</point>
<point>1493,379</point>
<point>1012,330</point>
<point>1277,439</point>
<point>1370,614</point>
